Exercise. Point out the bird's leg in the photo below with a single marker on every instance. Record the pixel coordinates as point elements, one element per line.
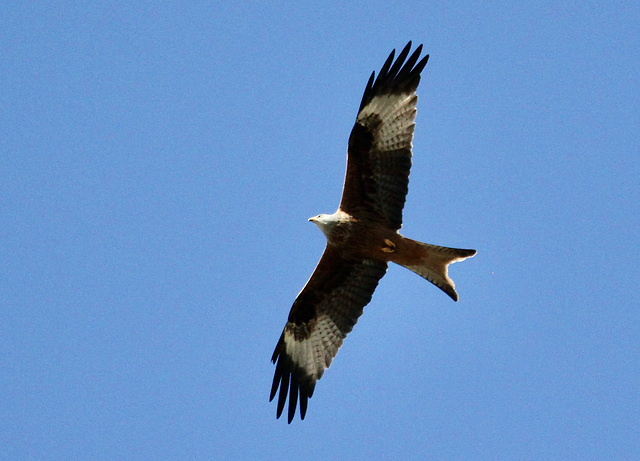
<point>389,247</point>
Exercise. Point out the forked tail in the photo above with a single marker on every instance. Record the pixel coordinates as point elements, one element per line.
<point>432,263</point>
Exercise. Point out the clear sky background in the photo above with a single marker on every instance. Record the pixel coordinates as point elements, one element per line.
<point>159,162</point>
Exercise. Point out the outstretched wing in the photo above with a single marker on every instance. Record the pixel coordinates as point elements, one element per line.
<point>322,315</point>
<point>379,156</point>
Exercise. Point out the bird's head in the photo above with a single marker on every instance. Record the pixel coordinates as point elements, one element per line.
<point>326,222</point>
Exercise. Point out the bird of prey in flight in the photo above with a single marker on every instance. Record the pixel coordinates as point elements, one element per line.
<point>362,236</point>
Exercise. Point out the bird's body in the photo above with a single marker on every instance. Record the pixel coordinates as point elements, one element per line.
<point>356,239</point>
<point>362,235</point>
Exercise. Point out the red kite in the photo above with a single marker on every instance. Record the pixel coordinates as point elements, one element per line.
<point>362,236</point>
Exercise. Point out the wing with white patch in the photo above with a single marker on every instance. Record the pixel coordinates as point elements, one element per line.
<point>322,315</point>
<point>379,155</point>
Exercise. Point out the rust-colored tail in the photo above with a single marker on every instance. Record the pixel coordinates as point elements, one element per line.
<point>432,262</point>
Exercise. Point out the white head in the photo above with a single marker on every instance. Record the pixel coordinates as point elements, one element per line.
<point>327,222</point>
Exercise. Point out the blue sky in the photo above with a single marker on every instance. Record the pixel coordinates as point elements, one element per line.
<point>159,162</point>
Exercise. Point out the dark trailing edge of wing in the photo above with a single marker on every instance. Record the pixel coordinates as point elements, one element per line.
<point>287,378</point>
<point>396,77</point>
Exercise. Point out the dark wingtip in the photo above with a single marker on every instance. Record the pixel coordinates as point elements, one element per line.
<point>282,398</point>
<point>289,380</point>
<point>274,389</point>
<point>303,405</point>
<point>293,398</point>
<point>278,374</point>
<point>400,75</point>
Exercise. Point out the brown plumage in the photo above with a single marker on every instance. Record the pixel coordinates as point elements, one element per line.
<point>362,236</point>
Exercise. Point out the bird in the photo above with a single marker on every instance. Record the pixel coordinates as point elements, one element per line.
<point>362,235</point>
